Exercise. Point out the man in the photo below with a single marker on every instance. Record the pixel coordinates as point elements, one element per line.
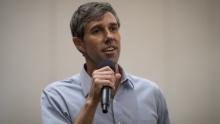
<point>76,100</point>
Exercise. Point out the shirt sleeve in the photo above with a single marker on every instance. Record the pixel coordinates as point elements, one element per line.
<point>51,110</point>
<point>162,109</point>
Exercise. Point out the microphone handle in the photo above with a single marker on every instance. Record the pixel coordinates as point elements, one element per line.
<point>105,98</point>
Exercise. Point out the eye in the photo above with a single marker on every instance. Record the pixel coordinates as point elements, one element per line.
<point>96,30</point>
<point>113,28</point>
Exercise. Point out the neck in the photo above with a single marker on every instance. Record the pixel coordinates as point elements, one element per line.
<point>90,68</point>
<point>90,65</point>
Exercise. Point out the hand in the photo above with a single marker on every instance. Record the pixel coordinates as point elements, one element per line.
<point>100,77</point>
<point>103,77</point>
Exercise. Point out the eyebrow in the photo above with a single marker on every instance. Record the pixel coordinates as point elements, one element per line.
<point>100,25</point>
<point>114,24</point>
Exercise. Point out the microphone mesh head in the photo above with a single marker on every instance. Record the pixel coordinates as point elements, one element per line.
<point>107,62</point>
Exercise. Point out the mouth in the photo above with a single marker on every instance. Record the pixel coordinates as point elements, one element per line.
<point>109,50</point>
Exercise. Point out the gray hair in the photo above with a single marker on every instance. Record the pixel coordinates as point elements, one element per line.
<point>87,13</point>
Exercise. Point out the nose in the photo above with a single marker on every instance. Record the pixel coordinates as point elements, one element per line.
<point>108,33</point>
<point>108,36</point>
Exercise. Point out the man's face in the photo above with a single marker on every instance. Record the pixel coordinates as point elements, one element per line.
<point>102,39</point>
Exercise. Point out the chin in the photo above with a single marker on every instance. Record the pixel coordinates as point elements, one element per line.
<point>114,60</point>
<point>113,57</point>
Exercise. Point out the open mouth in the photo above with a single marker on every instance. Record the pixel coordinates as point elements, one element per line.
<point>109,50</point>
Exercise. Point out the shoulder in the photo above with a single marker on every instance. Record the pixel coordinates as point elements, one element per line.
<point>141,83</point>
<point>63,84</point>
<point>62,99</point>
<point>146,88</point>
<point>150,95</point>
<point>68,87</point>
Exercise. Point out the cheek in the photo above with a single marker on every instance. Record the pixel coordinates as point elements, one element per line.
<point>92,47</point>
<point>118,37</point>
<point>119,41</point>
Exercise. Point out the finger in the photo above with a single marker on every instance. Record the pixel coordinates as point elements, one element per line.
<point>117,73</point>
<point>104,73</point>
<point>101,82</point>
<point>118,77</point>
<point>111,78</point>
<point>106,68</point>
<point>107,77</point>
<point>116,68</point>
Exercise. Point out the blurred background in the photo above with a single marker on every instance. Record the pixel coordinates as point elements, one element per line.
<point>175,43</point>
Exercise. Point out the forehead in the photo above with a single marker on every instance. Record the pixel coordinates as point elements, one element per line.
<point>106,19</point>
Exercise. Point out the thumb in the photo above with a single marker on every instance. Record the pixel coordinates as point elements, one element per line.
<point>117,73</point>
<point>118,77</point>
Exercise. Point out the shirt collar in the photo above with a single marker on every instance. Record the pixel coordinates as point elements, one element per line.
<point>86,80</point>
<point>125,79</point>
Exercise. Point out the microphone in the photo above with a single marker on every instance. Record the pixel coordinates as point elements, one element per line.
<point>106,90</point>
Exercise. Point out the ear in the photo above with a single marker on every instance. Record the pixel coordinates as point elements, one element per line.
<point>79,44</point>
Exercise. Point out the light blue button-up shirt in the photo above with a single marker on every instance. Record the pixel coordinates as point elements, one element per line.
<point>137,101</point>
